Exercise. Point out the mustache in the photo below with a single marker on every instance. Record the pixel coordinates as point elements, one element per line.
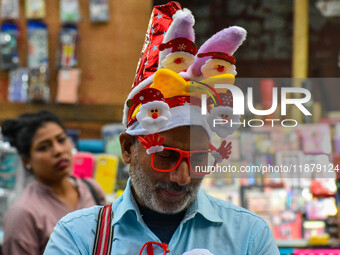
<point>151,120</point>
<point>175,187</point>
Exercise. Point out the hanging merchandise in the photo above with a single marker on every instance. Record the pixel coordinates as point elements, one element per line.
<point>83,165</point>
<point>106,172</point>
<point>69,11</point>
<point>9,46</point>
<point>9,9</point>
<point>68,82</point>
<point>99,10</point>
<point>18,85</point>
<point>66,55</point>
<point>35,9</point>
<point>38,89</point>
<point>37,44</point>
<point>336,138</point>
<point>316,138</point>
<point>9,161</point>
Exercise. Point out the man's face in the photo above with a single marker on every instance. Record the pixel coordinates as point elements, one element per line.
<point>167,192</point>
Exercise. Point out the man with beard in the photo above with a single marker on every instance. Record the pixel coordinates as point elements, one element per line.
<point>167,207</point>
<point>162,209</point>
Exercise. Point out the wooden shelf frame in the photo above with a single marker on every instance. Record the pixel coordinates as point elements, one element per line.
<point>93,113</point>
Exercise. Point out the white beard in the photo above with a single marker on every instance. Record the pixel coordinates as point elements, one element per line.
<point>153,125</point>
<point>148,191</point>
<point>208,69</point>
<point>225,129</point>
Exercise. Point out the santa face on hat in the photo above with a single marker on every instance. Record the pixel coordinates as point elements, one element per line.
<point>153,116</point>
<point>222,121</point>
<point>178,61</point>
<point>217,66</point>
<point>173,50</point>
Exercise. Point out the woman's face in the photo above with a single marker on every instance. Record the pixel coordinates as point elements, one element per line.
<point>50,154</point>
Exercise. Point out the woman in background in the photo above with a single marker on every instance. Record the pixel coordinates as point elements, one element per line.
<point>45,150</point>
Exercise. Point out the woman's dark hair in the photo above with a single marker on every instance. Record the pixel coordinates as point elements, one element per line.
<point>20,132</point>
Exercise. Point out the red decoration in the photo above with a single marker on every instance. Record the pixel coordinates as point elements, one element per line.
<point>180,44</point>
<point>218,55</point>
<point>159,23</point>
<point>151,140</point>
<point>220,68</point>
<point>144,96</point>
<point>223,151</point>
<point>226,98</point>
<point>178,61</point>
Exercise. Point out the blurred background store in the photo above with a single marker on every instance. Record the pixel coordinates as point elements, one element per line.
<point>78,60</point>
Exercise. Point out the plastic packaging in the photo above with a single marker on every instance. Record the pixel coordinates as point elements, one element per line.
<point>37,44</point>
<point>99,10</point>
<point>35,9</point>
<point>18,85</point>
<point>9,46</point>
<point>9,9</point>
<point>69,11</point>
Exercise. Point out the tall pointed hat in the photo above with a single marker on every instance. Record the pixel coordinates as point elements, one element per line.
<point>172,74</point>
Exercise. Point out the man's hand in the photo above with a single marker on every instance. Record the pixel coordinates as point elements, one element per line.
<point>152,143</point>
<point>223,152</point>
<point>225,149</point>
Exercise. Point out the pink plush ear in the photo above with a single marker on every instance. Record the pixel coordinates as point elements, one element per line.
<point>226,40</point>
<point>181,26</point>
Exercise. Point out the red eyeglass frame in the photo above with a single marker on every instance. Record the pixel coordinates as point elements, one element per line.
<point>182,153</point>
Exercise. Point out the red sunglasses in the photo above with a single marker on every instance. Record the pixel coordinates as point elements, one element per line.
<point>169,159</point>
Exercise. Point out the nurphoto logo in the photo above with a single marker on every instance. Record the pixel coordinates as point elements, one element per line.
<point>302,97</point>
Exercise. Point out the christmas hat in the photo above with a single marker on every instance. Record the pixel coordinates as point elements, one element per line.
<point>171,76</point>
<point>222,114</point>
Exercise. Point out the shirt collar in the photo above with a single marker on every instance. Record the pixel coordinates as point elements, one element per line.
<point>202,205</point>
<point>125,203</point>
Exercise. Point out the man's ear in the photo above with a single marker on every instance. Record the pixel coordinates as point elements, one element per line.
<point>126,143</point>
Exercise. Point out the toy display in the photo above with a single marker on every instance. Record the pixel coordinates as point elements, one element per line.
<point>83,165</point>
<point>38,90</point>
<point>68,82</point>
<point>37,44</point>
<point>9,46</point>
<point>106,172</point>
<point>8,168</point>
<point>9,9</point>
<point>66,55</point>
<point>69,11</point>
<point>35,9</point>
<point>99,10</point>
<point>18,85</point>
<point>288,176</point>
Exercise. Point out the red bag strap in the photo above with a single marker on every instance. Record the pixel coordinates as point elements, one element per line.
<point>104,232</point>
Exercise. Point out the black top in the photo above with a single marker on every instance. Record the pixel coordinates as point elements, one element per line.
<point>162,225</point>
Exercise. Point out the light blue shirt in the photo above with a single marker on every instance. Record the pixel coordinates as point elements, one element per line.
<point>209,223</point>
